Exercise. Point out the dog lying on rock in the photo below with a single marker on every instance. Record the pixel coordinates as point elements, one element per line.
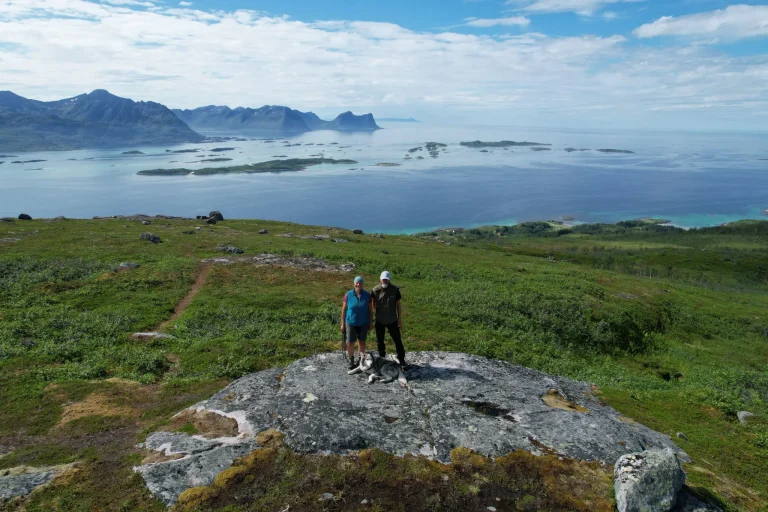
<point>380,368</point>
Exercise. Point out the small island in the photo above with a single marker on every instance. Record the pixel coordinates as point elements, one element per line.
<point>500,144</point>
<point>290,165</point>
<point>8,156</point>
<point>387,164</point>
<point>134,152</point>
<point>216,160</point>
<point>219,150</point>
<point>615,151</point>
<point>26,161</point>
<point>536,148</point>
<point>182,151</point>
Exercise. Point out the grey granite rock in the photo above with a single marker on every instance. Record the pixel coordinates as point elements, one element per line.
<point>127,265</point>
<point>231,249</point>
<point>150,238</point>
<point>14,485</point>
<point>452,400</point>
<point>648,481</point>
<point>744,416</point>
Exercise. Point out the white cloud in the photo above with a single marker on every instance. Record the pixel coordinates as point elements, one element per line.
<point>583,7</point>
<point>520,21</point>
<point>188,58</point>
<point>185,4</point>
<point>733,22</point>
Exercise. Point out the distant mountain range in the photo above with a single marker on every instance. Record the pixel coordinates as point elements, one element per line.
<point>102,120</point>
<point>270,119</point>
<point>95,120</point>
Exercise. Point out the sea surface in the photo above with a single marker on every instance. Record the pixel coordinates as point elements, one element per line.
<point>691,180</point>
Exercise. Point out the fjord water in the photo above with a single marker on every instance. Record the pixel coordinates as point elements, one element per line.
<point>690,179</point>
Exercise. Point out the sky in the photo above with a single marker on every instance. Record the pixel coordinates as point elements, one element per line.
<point>598,64</point>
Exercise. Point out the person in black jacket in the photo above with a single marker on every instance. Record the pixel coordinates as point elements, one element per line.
<point>389,316</point>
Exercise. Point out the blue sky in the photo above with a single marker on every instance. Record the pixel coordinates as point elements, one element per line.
<point>636,64</point>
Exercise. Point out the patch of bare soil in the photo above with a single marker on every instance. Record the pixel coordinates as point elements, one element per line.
<point>153,457</point>
<point>316,264</point>
<point>207,423</point>
<point>557,401</point>
<point>202,274</point>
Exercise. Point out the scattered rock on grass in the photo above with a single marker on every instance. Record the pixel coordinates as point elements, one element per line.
<point>357,231</point>
<point>211,220</point>
<point>22,480</point>
<point>744,416</point>
<point>231,249</point>
<point>648,480</point>
<point>151,336</point>
<point>127,265</point>
<point>146,222</point>
<point>150,238</point>
<point>24,216</point>
<point>263,231</point>
<point>10,239</point>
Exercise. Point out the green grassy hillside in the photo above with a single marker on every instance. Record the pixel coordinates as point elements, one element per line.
<point>671,325</point>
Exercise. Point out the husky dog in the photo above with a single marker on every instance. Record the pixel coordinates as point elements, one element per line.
<point>380,368</point>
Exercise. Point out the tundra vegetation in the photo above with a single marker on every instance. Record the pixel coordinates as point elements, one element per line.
<point>669,324</point>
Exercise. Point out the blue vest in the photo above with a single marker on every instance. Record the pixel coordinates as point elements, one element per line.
<point>357,309</point>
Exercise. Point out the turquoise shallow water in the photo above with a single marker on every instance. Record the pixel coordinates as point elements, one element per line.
<point>689,179</point>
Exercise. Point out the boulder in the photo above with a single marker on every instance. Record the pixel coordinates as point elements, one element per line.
<point>648,481</point>
<point>216,214</point>
<point>127,265</point>
<point>357,231</point>
<point>263,231</point>
<point>230,249</point>
<point>22,480</point>
<point>491,407</point>
<point>211,220</point>
<point>24,216</point>
<point>146,222</point>
<point>744,416</point>
<point>150,238</point>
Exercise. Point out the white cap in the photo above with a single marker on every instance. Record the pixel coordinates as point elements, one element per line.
<point>385,275</point>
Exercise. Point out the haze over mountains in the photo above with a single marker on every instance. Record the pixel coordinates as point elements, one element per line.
<point>102,120</point>
<point>271,119</point>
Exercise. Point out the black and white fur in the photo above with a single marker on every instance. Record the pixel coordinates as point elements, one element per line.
<point>380,368</point>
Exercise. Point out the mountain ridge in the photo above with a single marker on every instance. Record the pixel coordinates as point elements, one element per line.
<point>271,119</point>
<point>97,119</point>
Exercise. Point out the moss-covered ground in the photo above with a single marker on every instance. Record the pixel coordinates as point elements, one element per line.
<point>670,324</point>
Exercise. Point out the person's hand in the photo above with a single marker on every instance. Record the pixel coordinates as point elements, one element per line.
<point>399,323</point>
<point>342,328</point>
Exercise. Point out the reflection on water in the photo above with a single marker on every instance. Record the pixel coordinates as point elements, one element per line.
<point>690,179</point>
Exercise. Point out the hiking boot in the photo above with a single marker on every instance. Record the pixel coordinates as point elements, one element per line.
<point>353,364</point>
<point>405,366</point>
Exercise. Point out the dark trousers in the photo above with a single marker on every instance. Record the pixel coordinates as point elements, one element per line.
<point>394,331</point>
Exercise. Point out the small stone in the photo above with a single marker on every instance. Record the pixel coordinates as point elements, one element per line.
<point>198,228</point>
<point>682,436</point>
<point>263,231</point>
<point>24,216</point>
<point>492,509</point>
<point>327,496</point>
<point>127,265</point>
<point>150,238</point>
<point>189,232</point>
<point>146,222</point>
<point>152,336</point>
<point>230,249</point>
<point>357,231</point>
<point>364,502</point>
<point>744,416</point>
<point>28,343</point>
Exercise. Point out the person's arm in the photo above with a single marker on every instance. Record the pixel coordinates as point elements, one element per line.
<point>399,316</point>
<point>343,312</point>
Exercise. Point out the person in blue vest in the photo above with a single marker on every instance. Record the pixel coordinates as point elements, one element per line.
<point>356,320</point>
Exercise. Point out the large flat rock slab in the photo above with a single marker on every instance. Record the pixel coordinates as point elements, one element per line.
<point>452,400</point>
